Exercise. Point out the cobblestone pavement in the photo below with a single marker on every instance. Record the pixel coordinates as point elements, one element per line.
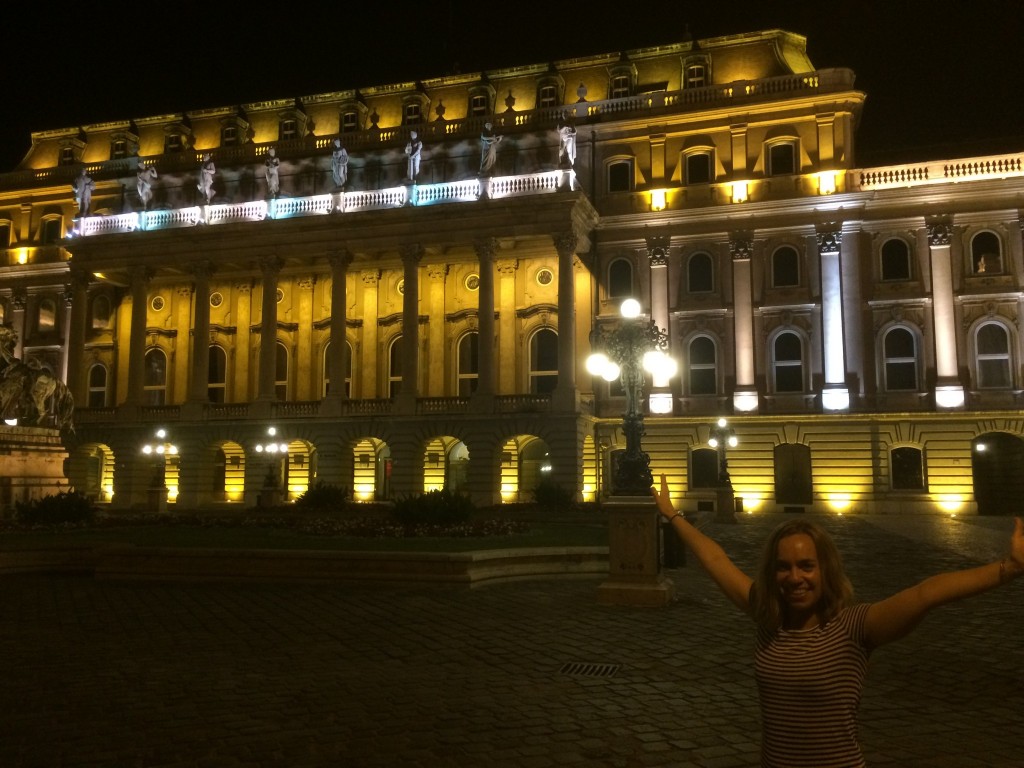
<point>528,674</point>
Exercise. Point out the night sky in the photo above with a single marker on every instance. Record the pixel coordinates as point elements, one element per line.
<point>942,78</point>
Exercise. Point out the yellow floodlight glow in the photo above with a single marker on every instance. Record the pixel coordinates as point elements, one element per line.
<point>827,183</point>
<point>950,503</point>
<point>657,199</point>
<point>739,192</point>
<point>840,502</point>
<point>23,255</point>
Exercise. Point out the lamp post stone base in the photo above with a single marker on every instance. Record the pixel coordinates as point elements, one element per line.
<point>634,563</point>
<point>725,505</point>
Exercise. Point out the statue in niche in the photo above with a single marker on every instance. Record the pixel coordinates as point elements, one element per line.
<point>144,184</point>
<point>489,141</point>
<point>566,142</point>
<point>414,149</point>
<point>339,164</point>
<point>206,173</point>
<point>270,170</point>
<point>83,187</point>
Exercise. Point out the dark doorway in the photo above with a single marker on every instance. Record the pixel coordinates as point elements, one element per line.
<point>997,466</point>
<point>793,474</point>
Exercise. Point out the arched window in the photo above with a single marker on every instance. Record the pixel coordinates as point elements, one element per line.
<point>620,279</point>
<point>155,378</point>
<point>699,167</point>
<point>47,317</point>
<point>469,364</point>
<point>700,273</point>
<point>98,386</point>
<point>620,176</point>
<point>703,366</point>
<point>907,473</point>
<point>782,158</point>
<point>993,357</point>
<point>100,312</point>
<point>788,363</point>
<point>895,260</point>
<point>280,371</point>
<point>900,351</point>
<point>543,361</point>
<point>395,366</point>
<point>327,370</point>
<point>785,267</point>
<point>217,375</point>
<point>986,254</point>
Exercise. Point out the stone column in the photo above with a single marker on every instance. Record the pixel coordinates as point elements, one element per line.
<point>565,391</point>
<point>78,320</point>
<point>271,268</point>
<point>949,391</point>
<point>371,374</point>
<point>739,151</point>
<point>19,300</point>
<point>337,352</point>
<point>241,355</point>
<point>835,396</point>
<point>436,369</point>
<point>198,386</point>
<point>412,254</point>
<point>485,251</point>
<point>508,352</point>
<point>140,277</point>
<point>744,397</point>
<point>306,366</point>
<point>657,260</point>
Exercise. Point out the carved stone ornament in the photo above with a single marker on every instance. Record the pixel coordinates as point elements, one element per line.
<point>658,257</point>
<point>939,234</point>
<point>829,242</point>
<point>741,249</point>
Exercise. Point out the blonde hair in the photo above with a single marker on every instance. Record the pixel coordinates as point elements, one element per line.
<point>836,590</point>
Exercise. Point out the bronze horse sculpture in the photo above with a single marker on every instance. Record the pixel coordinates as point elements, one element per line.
<point>28,391</point>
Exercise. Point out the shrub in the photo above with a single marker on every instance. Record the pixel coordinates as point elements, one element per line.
<point>550,495</point>
<point>324,496</point>
<point>63,508</point>
<point>438,507</point>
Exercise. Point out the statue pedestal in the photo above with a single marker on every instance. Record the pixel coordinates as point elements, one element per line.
<point>634,568</point>
<point>31,465</point>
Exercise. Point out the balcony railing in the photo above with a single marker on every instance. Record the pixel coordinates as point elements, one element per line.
<point>939,172</point>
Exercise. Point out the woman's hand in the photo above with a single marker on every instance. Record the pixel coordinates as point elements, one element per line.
<point>663,500</point>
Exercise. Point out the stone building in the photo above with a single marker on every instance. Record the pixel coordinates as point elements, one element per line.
<point>425,322</point>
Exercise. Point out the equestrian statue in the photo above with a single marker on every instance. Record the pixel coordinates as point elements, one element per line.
<point>29,392</point>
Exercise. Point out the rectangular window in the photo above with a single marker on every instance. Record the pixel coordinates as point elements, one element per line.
<point>289,129</point>
<point>907,469</point>
<point>349,122</point>
<point>413,114</point>
<point>782,159</point>
<point>620,86</point>
<point>229,136</point>
<point>118,149</point>
<point>478,105</point>
<point>546,96</point>
<point>696,76</point>
<point>50,234</point>
<point>5,234</point>
<point>620,176</point>
<point>67,156</point>
<point>698,168</point>
<point>173,143</point>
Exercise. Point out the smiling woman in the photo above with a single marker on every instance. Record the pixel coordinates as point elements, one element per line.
<point>813,640</point>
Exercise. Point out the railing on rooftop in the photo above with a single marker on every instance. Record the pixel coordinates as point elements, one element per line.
<point>938,172</point>
<point>318,205</point>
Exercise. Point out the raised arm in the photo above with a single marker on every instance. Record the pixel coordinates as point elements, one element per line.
<point>896,616</point>
<point>733,582</point>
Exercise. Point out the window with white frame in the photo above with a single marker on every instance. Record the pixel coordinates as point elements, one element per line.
<point>118,149</point>
<point>620,279</point>
<point>479,105</point>
<point>281,365</point>
<point>547,95</point>
<point>98,386</point>
<point>620,176</point>
<point>899,348</point>
<point>895,260</point>
<point>217,375</point>
<point>695,74</point>
<point>543,361</point>
<point>327,369</point>
<point>992,360</point>
<point>619,87</point>
<point>468,372</point>
<point>907,469</point>
<point>154,380</point>
<point>288,129</point>
<point>782,158</point>
<point>986,253</point>
<point>173,143</point>
<point>395,366</point>
<point>788,362</point>
<point>700,273</point>
<point>349,121</point>
<point>229,136</point>
<point>702,359</point>
<point>699,167</point>
<point>68,156</point>
<point>785,267</point>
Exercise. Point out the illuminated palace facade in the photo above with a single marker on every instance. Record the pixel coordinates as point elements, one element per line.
<point>417,328</point>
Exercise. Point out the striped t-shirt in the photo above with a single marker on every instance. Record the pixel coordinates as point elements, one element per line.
<point>810,683</point>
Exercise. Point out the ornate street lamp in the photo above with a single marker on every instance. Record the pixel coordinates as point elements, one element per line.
<point>636,345</point>
<point>722,438</point>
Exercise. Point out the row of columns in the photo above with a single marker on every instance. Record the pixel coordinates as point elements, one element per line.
<point>839,279</point>
<point>270,267</point>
